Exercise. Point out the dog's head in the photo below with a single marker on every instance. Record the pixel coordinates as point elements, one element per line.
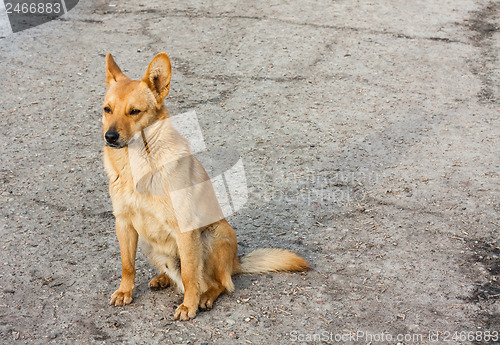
<point>132,105</point>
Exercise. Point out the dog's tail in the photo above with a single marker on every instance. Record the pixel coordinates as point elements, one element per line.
<point>270,260</point>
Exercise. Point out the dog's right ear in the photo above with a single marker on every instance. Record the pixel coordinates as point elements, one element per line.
<point>113,72</point>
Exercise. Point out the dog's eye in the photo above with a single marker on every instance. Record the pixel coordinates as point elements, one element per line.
<point>107,110</point>
<point>134,112</point>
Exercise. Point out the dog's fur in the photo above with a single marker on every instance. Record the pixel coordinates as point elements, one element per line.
<point>199,262</point>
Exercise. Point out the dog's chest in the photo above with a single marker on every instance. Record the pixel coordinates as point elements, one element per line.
<point>151,215</point>
<point>150,225</point>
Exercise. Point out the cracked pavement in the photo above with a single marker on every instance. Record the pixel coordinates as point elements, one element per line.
<point>370,137</point>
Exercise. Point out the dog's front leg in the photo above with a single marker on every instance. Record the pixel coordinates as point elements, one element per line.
<point>190,252</point>
<point>127,236</point>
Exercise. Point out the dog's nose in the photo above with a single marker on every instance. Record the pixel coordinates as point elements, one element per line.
<point>112,137</point>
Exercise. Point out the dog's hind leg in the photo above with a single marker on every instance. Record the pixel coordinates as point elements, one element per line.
<point>208,297</point>
<point>219,264</point>
<point>159,282</point>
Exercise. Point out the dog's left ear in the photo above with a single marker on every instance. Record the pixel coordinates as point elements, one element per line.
<point>158,76</point>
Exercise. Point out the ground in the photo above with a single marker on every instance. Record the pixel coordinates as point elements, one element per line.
<point>369,132</point>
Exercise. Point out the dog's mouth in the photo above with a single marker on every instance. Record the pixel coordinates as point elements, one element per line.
<point>115,145</point>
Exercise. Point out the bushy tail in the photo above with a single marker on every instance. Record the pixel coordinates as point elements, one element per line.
<point>270,260</point>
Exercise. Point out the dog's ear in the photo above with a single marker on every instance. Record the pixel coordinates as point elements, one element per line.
<point>113,72</point>
<point>158,76</point>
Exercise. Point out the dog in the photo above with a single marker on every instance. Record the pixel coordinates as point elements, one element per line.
<point>199,262</point>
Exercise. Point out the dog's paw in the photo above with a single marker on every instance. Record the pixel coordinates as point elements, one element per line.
<point>184,312</point>
<point>206,302</point>
<point>159,282</point>
<point>121,297</point>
